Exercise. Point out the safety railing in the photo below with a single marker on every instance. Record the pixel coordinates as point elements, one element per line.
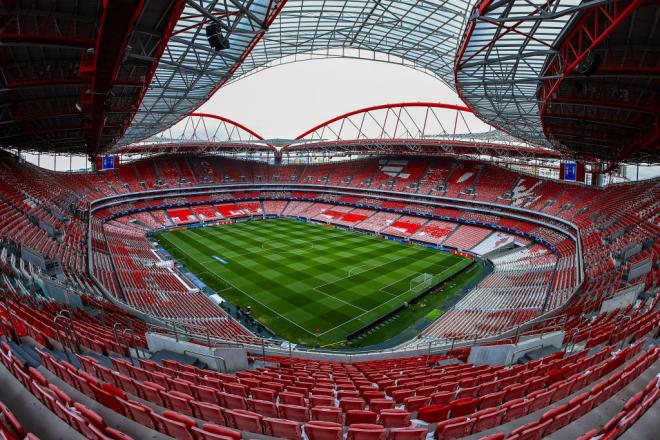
<point>66,335</point>
<point>216,358</point>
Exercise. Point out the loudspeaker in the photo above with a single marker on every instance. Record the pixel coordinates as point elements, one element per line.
<point>216,40</point>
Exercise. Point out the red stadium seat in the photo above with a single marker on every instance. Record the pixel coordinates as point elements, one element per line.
<point>138,412</point>
<point>453,428</point>
<point>488,418</point>
<point>407,434</point>
<point>263,407</point>
<point>316,400</point>
<point>264,394</point>
<point>360,416</point>
<point>539,399</point>
<point>281,428</point>
<point>394,418</point>
<point>210,431</point>
<point>294,412</point>
<point>414,403</point>
<point>433,413</point>
<point>320,430</point>
<point>442,398</point>
<point>205,394</point>
<point>290,398</point>
<point>492,400</point>
<point>326,414</point>
<point>209,412</point>
<point>179,402</point>
<point>464,406</point>
<point>175,425</point>
<point>152,392</point>
<point>244,420</point>
<point>232,401</point>
<point>365,431</point>
<point>352,403</point>
<point>515,409</point>
<point>378,405</point>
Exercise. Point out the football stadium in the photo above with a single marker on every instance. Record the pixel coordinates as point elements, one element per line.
<point>481,265</point>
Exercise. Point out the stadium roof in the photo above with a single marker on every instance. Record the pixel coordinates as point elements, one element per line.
<point>93,76</point>
<point>580,76</point>
<point>421,33</point>
<point>72,73</point>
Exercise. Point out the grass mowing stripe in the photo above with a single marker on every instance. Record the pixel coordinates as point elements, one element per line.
<point>405,294</point>
<point>299,275</point>
<point>248,295</point>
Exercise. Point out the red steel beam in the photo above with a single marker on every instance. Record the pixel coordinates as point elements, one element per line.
<point>117,21</point>
<point>460,108</point>
<point>257,38</point>
<point>228,121</point>
<point>175,14</point>
<point>46,40</point>
<point>591,30</point>
<point>572,53</point>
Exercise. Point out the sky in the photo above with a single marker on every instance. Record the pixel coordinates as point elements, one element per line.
<point>284,101</point>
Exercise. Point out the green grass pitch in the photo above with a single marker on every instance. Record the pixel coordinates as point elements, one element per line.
<point>308,283</point>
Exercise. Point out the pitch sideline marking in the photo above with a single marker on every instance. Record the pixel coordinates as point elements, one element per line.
<point>275,250</point>
<point>256,300</point>
<point>220,278</point>
<point>374,267</point>
<point>315,288</point>
<point>382,289</point>
<point>392,299</point>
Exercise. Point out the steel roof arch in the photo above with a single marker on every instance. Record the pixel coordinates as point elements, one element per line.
<point>424,32</point>
<point>382,107</point>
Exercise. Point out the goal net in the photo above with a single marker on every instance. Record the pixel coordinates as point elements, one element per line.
<point>421,282</point>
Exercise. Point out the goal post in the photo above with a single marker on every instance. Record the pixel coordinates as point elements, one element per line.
<point>421,282</point>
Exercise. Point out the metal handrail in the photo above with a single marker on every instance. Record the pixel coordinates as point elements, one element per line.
<point>560,325</point>
<point>618,333</point>
<point>72,333</point>
<point>135,346</point>
<point>9,317</point>
<point>209,340</point>
<point>123,332</point>
<point>114,332</point>
<point>186,326</point>
<point>172,328</point>
<point>224,362</point>
<point>62,339</point>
